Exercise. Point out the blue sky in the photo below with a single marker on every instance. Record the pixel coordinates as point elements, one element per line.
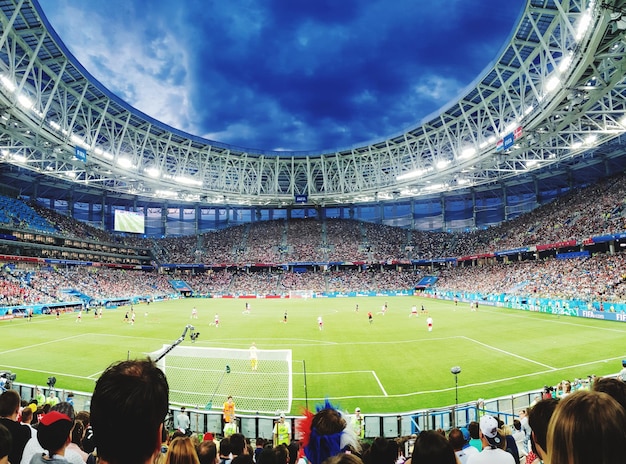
<point>286,74</point>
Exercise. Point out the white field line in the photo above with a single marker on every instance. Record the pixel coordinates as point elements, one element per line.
<point>40,344</point>
<point>509,353</point>
<point>379,383</point>
<point>441,390</point>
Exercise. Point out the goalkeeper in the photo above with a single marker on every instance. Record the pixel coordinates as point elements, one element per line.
<point>254,360</point>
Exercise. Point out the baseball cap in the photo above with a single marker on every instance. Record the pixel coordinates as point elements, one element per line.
<point>53,430</point>
<point>489,428</point>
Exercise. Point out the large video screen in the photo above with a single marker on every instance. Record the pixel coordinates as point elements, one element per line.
<point>129,221</point>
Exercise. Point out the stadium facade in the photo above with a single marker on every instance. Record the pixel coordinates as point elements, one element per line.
<point>547,116</point>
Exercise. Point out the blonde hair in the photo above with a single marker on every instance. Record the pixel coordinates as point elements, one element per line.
<point>181,451</point>
<point>587,427</point>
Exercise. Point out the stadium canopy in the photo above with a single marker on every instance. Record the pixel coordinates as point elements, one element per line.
<point>551,104</point>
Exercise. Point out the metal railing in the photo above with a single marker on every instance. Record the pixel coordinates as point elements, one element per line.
<point>391,425</point>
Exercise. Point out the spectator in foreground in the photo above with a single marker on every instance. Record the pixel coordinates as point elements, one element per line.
<point>135,393</point>
<point>181,451</point>
<point>53,434</point>
<point>344,458</point>
<point>459,439</point>
<point>614,387</point>
<point>207,452</point>
<point>493,444</point>
<point>431,447</point>
<point>538,419</point>
<point>587,427</point>
<point>5,444</point>
<point>20,434</point>
<point>34,447</point>
<point>326,434</point>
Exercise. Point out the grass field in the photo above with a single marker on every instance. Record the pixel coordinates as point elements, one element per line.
<point>391,365</point>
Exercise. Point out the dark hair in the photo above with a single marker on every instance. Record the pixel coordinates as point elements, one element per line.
<point>473,428</point>
<point>225,447</point>
<point>266,456</point>
<point>134,393</point>
<point>6,441</point>
<point>27,414</point>
<point>616,388</point>
<point>382,451</point>
<point>77,432</point>
<point>207,452</point>
<point>9,403</point>
<point>237,443</point>
<point>539,418</point>
<point>432,448</point>
<point>456,439</point>
<point>281,453</point>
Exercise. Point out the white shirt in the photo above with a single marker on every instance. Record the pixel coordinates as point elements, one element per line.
<point>465,453</point>
<point>491,456</point>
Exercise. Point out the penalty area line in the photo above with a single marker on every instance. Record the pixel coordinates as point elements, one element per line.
<point>379,383</point>
<point>510,354</point>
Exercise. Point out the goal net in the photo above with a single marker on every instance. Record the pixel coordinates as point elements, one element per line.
<point>205,377</point>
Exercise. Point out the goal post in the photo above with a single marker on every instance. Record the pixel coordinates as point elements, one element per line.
<point>204,378</point>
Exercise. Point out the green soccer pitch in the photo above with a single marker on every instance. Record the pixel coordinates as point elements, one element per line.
<point>391,365</point>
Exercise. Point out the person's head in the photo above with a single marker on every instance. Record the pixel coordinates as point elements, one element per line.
<point>614,387</point>
<point>357,411</point>
<point>6,443</point>
<point>474,430</point>
<point>517,425</point>
<point>432,448</point>
<point>266,456</point>
<point>225,447</point>
<point>344,458</point>
<point>181,451</point>
<point>382,451</point>
<point>238,444</point>
<point>587,427</point>
<point>489,432</point>
<point>242,459</point>
<point>27,415</point>
<point>538,419</point>
<point>281,454</point>
<point>207,452</point>
<point>54,431</point>
<point>325,434</point>
<point>83,416</point>
<point>134,393</point>
<point>9,404</point>
<point>456,439</point>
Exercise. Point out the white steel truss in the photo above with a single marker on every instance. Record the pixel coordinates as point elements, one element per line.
<point>560,80</point>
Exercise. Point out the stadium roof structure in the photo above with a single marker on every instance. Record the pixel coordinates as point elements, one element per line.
<point>553,102</point>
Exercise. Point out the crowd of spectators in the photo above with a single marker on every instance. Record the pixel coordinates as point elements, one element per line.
<point>599,277</point>
<point>565,426</point>
<point>383,254</point>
